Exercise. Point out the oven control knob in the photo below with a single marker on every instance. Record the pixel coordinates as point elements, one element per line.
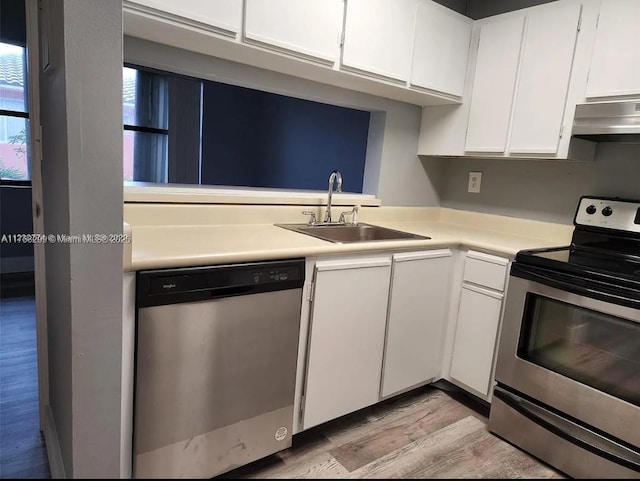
<point>607,211</point>
<point>591,209</point>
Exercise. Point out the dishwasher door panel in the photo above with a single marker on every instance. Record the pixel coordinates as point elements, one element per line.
<point>215,383</point>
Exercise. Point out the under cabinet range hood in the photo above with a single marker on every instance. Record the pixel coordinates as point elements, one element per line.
<point>608,121</point>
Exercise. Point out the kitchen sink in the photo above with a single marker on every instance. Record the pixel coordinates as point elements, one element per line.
<point>348,233</point>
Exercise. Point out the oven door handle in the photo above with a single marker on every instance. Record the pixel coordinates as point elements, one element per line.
<point>590,288</point>
<point>571,431</point>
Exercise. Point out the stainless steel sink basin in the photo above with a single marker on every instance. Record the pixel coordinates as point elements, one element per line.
<point>347,233</point>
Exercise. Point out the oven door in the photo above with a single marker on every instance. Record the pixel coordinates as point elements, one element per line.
<point>574,352</point>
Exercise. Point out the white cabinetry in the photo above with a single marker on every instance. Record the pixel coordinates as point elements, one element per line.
<point>221,16</point>
<point>418,309</point>
<point>544,77</point>
<point>361,45</point>
<point>494,85</point>
<point>311,28</point>
<point>372,327</point>
<point>378,37</point>
<point>521,81</point>
<point>440,65</point>
<point>615,65</point>
<point>527,71</point>
<point>478,322</point>
<point>346,337</point>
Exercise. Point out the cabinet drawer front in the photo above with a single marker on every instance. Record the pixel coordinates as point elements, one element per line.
<point>485,270</point>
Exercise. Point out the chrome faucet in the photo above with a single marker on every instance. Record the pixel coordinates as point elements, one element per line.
<point>335,176</point>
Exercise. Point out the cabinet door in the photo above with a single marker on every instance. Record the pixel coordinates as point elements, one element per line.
<point>615,64</point>
<point>311,28</point>
<point>348,319</point>
<point>545,71</point>
<point>440,49</point>
<point>417,316</point>
<point>475,339</point>
<point>494,84</point>
<point>224,15</point>
<point>378,37</point>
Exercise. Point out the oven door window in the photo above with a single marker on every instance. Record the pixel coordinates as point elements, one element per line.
<point>593,348</point>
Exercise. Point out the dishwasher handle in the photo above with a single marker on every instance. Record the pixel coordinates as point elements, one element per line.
<point>172,286</point>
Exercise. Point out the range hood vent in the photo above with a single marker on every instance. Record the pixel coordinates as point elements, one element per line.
<point>608,122</point>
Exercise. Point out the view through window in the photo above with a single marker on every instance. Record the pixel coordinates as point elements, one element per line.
<point>145,117</point>
<point>14,115</point>
<point>179,129</point>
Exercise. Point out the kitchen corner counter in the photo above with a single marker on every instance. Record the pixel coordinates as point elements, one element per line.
<point>162,238</point>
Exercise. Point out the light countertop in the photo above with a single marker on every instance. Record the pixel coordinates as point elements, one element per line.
<point>182,236</point>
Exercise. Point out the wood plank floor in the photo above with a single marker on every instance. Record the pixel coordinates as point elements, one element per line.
<point>22,450</point>
<point>427,433</point>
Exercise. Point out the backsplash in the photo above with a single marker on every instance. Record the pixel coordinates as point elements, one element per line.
<point>542,190</point>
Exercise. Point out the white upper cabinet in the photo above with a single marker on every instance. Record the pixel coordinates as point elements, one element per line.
<point>378,37</point>
<point>310,28</point>
<point>543,79</point>
<point>615,64</point>
<point>527,70</point>
<point>494,85</point>
<point>440,49</point>
<point>224,16</point>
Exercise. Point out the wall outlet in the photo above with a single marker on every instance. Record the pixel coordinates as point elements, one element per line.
<point>475,179</point>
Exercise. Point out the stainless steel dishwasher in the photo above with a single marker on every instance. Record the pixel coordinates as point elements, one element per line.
<point>216,351</point>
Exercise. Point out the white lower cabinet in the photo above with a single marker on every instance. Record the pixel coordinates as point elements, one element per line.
<point>416,321</point>
<point>374,326</point>
<point>346,337</point>
<point>478,322</point>
<point>476,333</point>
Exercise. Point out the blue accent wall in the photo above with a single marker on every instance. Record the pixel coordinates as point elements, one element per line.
<point>260,139</point>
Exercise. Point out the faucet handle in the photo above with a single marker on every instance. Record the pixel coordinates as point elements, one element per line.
<point>354,214</point>
<point>312,220</point>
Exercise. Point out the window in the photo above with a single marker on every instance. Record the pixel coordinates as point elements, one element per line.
<point>14,115</point>
<point>145,117</point>
<point>185,130</point>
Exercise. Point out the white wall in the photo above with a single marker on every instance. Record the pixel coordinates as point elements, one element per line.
<point>81,102</point>
<point>393,170</point>
<point>543,190</point>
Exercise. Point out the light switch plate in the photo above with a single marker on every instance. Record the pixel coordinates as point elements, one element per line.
<point>475,179</point>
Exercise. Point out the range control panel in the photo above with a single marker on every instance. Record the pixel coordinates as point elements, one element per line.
<point>609,214</point>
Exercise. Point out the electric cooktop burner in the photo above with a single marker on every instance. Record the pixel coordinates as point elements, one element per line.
<point>605,245</point>
<point>584,260</point>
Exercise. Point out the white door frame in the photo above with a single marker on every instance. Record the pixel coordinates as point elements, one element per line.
<point>35,148</point>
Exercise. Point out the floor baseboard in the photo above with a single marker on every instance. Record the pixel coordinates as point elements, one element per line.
<point>56,465</point>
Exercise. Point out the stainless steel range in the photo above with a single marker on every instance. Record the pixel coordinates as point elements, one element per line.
<point>568,368</point>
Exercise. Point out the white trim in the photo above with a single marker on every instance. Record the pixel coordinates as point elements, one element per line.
<point>56,464</point>
<point>481,290</point>
<point>274,44</point>
<point>172,193</point>
<point>127,387</point>
<point>37,203</point>
<point>375,73</point>
<point>598,96</point>
<point>481,256</point>
<point>181,17</point>
<point>416,256</point>
<point>353,264</point>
